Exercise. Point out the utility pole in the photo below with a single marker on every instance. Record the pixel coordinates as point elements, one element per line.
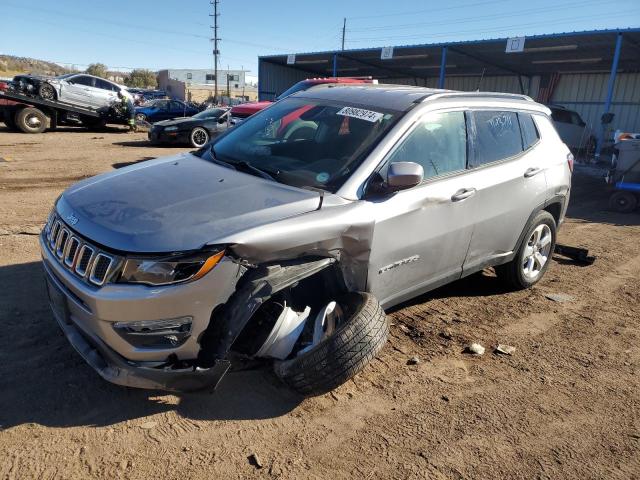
<point>344,29</point>
<point>216,52</point>
<point>243,79</point>
<point>228,92</point>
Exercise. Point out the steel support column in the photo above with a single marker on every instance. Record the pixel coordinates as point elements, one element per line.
<point>610,89</point>
<point>443,65</point>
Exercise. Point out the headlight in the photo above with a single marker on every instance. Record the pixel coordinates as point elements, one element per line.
<point>171,129</point>
<point>168,270</point>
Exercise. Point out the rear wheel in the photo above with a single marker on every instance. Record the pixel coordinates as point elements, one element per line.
<point>533,256</point>
<point>47,92</point>
<point>199,137</point>
<point>623,202</point>
<point>31,120</point>
<point>357,338</point>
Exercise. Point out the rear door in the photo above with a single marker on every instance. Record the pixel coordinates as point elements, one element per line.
<point>105,92</point>
<point>176,109</point>
<point>421,235</point>
<point>509,177</point>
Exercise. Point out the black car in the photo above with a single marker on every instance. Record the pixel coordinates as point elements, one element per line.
<point>195,131</point>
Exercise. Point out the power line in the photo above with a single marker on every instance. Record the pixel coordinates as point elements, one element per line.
<point>430,10</point>
<point>510,28</point>
<point>495,16</point>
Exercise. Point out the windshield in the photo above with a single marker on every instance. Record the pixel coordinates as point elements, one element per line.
<point>298,87</point>
<point>210,113</point>
<point>304,142</point>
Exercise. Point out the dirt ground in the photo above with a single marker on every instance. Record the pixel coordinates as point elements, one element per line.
<point>565,405</point>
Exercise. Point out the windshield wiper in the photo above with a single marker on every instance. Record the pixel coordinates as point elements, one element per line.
<point>260,172</point>
<point>214,159</point>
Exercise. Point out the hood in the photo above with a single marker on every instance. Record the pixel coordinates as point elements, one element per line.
<point>176,204</point>
<point>176,121</point>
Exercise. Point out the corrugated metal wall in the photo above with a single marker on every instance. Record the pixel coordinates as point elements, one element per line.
<point>586,93</point>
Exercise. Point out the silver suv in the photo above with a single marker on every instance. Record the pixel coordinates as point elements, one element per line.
<point>287,236</point>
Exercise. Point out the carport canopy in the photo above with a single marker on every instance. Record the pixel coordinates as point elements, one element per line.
<point>591,51</point>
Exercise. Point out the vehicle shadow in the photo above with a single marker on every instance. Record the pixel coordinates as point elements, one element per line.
<point>44,381</point>
<point>137,143</point>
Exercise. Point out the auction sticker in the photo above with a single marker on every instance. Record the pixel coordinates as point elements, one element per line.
<point>361,114</point>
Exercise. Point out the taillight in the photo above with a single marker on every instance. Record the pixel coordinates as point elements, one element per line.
<point>570,160</point>
<point>4,86</point>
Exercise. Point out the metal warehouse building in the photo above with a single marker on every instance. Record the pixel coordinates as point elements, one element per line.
<point>591,72</point>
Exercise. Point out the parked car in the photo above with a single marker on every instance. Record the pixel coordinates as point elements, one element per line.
<point>195,131</point>
<point>157,110</point>
<point>245,110</point>
<point>72,88</point>
<point>282,247</point>
<point>575,133</point>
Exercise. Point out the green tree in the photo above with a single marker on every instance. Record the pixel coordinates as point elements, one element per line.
<point>141,78</point>
<point>97,69</point>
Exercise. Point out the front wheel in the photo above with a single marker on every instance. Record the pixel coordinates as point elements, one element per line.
<point>623,202</point>
<point>533,256</point>
<point>47,92</point>
<point>199,137</point>
<point>357,338</point>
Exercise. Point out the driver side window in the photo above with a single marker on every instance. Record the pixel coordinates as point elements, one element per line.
<point>438,142</point>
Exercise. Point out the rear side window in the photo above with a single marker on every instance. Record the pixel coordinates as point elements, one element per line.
<point>561,116</point>
<point>105,85</point>
<point>497,137</point>
<point>529,132</point>
<point>438,143</point>
<point>82,80</point>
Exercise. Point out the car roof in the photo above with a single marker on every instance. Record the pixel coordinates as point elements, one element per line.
<point>404,97</point>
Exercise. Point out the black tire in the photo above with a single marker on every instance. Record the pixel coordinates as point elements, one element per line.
<point>31,120</point>
<point>92,123</point>
<point>199,137</point>
<point>623,202</point>
<point>513,274</point>
<point>9,119</point>
<point>47,92</point>
<point>341,356</point>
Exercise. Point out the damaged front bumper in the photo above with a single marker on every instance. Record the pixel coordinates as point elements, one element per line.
<point>116,369</point>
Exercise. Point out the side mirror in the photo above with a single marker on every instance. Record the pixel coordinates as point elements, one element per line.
<point>403,175</point>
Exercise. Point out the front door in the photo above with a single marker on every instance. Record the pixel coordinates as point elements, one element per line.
<point>76,90</point>
<point>421,235</point>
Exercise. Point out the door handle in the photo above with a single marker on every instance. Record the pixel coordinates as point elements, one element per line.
<point>530,172</point>
<point>462,194</point>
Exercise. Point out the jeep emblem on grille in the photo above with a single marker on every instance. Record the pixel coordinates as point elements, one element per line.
<point>72,219</point>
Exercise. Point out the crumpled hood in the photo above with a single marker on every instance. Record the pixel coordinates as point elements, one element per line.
<point>176,121</point>
<point>175,204</point>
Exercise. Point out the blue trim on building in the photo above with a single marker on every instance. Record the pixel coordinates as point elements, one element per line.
<point>610,88</point>
<point>443,67</point>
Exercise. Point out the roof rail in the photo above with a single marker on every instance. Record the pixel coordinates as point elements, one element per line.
<point>507,96</point>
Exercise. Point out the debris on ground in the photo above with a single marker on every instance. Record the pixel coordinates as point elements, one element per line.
<point>505,349</point>
<point>413,360</point>
<point>254,460</point>
<point>148,425</point>
<point>446,334</point>
<point>559,297</point>
<point>475,349</point>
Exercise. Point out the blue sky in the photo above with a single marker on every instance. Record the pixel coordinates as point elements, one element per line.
<point>172,33</point>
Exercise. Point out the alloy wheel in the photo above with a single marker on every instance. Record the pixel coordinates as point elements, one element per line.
<point>537,252</point>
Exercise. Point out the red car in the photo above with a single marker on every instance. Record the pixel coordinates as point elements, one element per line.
<point>240,112</point>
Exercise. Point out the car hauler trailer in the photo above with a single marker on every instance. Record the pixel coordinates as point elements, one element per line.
<point>35,115</point>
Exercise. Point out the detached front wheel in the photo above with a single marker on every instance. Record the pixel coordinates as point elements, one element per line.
<point>358,338</point>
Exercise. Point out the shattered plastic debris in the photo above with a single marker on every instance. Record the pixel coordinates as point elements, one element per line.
<point>475,349</point>
<point>559,297</point>
<point>505,349</point>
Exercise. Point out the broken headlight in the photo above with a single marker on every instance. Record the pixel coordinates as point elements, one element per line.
<point>169,270</point>
<point>169,333</point>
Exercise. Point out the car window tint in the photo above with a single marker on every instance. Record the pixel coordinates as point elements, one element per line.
<point>529,132</point>
<point>575,119</point>
<point>562,116</point>
<point>161,105</point>
<point>104,85</point>
<point>177,106</point>
<point>438,143</point>
<point>82,80</point>
<point>497,137</point>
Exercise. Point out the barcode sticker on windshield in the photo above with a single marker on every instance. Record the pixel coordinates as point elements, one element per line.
<point>360,113</point>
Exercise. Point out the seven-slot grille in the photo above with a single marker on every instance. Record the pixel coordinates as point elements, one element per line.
<point>82,258</point>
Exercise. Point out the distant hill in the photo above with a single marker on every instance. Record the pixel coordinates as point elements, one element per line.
<point>10,66</point>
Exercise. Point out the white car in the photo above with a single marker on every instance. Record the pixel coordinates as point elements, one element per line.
<point>78,89</point>
<point>573,131</point>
